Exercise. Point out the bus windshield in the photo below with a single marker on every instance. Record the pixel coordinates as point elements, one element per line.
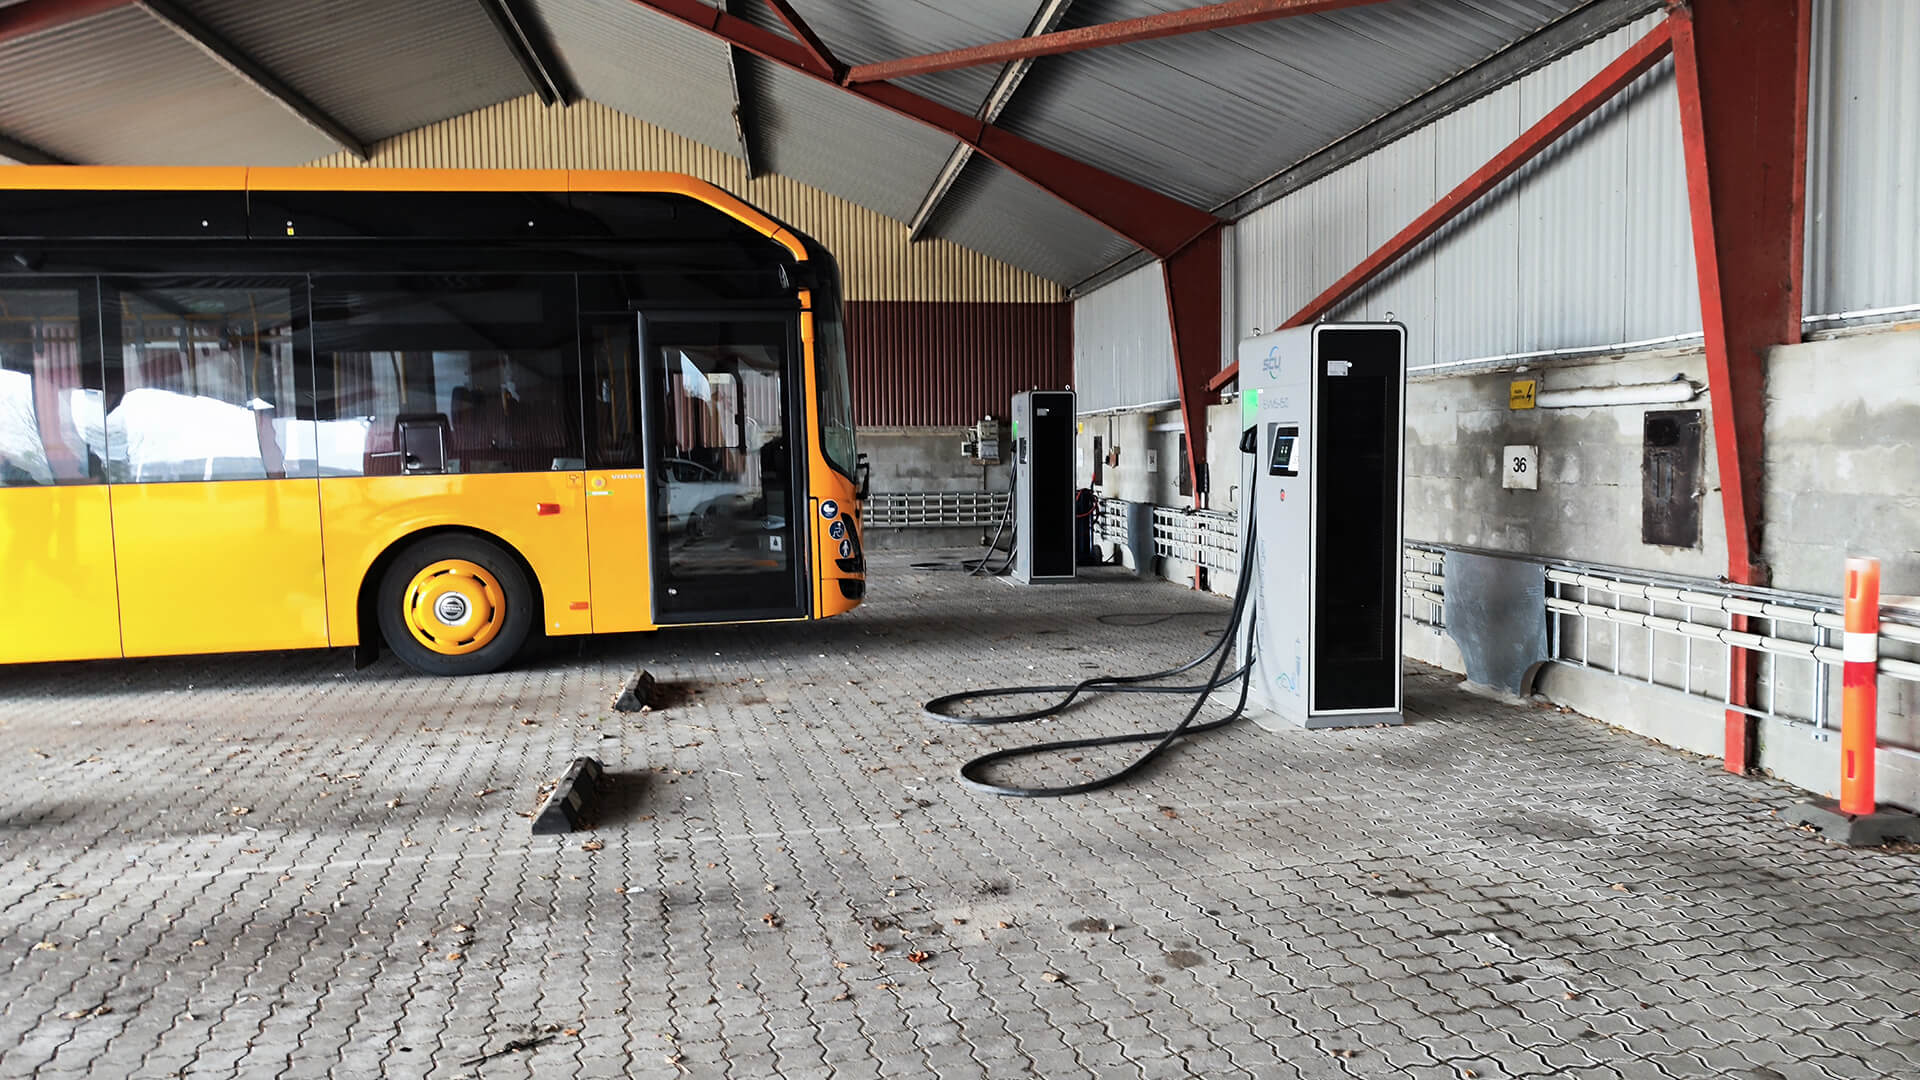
<point>836,389</point>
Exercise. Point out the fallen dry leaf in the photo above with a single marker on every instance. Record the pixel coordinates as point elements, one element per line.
<point>918,957</point>
<point>1168,811</point>
<point>241,811</point>
<point>44,946</point>
<point>393,804</point>
<point>70,896</point>
<point>484,792</point>
<point>592,845</point>
<point>877,948</point>
<point>456,956</point>
<point>1050,976</point>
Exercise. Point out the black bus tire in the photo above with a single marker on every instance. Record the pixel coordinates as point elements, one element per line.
<point>478,632</point>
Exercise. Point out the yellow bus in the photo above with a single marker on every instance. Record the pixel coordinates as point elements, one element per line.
<point>248,409</point>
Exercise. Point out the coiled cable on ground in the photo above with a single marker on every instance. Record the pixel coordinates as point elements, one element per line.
<point>973,772</point>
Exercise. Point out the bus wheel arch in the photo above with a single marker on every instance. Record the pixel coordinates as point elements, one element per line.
<point>480,564</point>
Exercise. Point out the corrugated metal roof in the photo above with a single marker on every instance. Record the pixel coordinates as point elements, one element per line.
<point>820,135</point>
<point>378,67</point>
<point>996,213</point>
<point>120,88</point>
<point>1203,117</point>
<point>869,31</point>
<point>631,59</point>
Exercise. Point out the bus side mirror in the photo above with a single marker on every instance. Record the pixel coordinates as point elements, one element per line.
<point>863,474</point>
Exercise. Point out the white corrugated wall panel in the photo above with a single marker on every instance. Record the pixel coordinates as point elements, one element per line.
<point>1863,187</point>
<point>1400,187</point>
<point>1290,251</point>
<point>1589,245</point>
<point>1661,291</point>
<point>1477,257</point>
<point>1123,344</point>
<point>1573,210</point>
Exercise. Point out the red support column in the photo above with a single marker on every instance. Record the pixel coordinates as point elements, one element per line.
<point>1741,68</point>
<point>1193,279</point>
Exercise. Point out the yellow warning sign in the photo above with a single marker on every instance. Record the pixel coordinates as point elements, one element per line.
<point>1520,395</point>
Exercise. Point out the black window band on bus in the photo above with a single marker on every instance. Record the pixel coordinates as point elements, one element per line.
<point>58,215</point>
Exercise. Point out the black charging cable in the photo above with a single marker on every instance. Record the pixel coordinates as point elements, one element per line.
<point>973,773</point>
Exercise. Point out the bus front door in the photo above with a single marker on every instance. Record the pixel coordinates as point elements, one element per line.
<point>724,427</point>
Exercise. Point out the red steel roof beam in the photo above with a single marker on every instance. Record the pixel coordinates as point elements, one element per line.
<point>1193,284</point>
<point>1156,222</point>
<point>821,54</point>
<point>1741,68</point>
<point>1635,62</point>
<point>38,16</point>
<point>1124,32</point>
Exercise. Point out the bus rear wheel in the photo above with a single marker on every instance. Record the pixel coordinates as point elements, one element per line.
<point>455,605</point>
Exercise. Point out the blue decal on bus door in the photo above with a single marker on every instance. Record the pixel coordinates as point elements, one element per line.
<point>837,530</point>
<point>829,509</point>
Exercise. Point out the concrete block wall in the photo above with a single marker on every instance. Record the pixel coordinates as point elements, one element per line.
<point>1587,507</point>
<point>1843,460</point>
<point>926,459</point>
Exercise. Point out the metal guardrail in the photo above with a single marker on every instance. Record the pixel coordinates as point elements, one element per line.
<point>1680,634</point>
<point>1209,538</point>
<point>933,509</point>
<point>1667,631</point>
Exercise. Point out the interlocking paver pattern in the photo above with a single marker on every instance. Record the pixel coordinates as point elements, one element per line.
<point>271,866</point>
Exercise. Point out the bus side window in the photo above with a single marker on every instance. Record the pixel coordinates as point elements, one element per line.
<point>613,383</point>
<point>50,424</point>
<point>205,382</point>
<point>488,365</point>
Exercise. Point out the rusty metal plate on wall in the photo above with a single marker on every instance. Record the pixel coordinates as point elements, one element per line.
<point>1670,478</point>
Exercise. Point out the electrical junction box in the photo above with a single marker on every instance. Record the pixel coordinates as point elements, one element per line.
<point>984,441</point>
<point>1326,405</point>
<point>1043,543</point>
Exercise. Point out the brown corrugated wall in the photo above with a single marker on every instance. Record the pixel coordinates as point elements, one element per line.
<point>922,364</point>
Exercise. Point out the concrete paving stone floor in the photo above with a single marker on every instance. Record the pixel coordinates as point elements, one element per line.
<point>273,866</point>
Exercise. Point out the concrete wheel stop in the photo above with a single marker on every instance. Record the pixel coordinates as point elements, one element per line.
<point>639,695</point>
<point>573,801</point>
<point>1855,830</point>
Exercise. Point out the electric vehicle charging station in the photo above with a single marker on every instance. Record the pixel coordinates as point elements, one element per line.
<point>1325,408</point>
<point>1043,549</point>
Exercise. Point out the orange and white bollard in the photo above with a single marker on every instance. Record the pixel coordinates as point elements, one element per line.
<point>1860,695</point>
<point>1854,820</point>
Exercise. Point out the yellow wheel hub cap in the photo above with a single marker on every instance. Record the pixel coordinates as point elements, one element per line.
<point>454,607</point>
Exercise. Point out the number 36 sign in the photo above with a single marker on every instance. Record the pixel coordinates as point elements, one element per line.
<point>1520,467</point>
